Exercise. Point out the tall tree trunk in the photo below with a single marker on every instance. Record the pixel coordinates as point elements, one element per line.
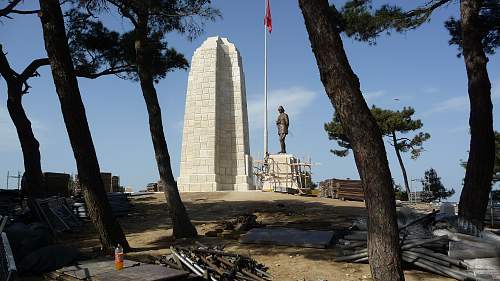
<point>479,172</point>
<point>73,110</point>
<point>33,185</point>
<point>400,160</point>
<point>182,226</point>
<point>343,88</point>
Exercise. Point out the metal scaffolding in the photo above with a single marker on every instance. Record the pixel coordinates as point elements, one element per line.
<point>293,176</point>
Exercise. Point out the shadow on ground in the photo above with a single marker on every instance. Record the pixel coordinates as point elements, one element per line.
<point>148,226</point>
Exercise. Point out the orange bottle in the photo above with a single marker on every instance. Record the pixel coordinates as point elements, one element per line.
<point>119,257</point>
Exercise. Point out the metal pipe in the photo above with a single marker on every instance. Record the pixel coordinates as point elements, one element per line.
<point>459,275</point>
<point>426,257</point>
<point>452,261</point>
<point>186,263</point>
<point>423,242</point>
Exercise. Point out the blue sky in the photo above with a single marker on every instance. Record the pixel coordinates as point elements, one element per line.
<point>418,68</point>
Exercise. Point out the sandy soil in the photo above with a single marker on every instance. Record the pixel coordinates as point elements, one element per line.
<point>148,231</point>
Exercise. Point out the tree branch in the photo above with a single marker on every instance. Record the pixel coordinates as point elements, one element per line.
<point>406,139</point>
<point>5,70</point>
<point>428,8</point>
<point>9,9</point>
<point>27,12</point>
<point>12,4</point>
<point>123,10</point>
<point>31,69</point>
<point>109,71</point>
<point>21,80</point>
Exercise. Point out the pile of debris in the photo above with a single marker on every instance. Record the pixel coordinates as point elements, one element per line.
<point>429,242</point>
<point>56,213</point>
<point>233,228</point>
<point>9,201</point>
<point>7,263</point>
<point>215,264</point>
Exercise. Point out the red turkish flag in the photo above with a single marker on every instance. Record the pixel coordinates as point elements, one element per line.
<point>268,21</point>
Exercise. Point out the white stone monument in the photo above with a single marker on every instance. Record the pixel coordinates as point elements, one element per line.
<point>215,144</point>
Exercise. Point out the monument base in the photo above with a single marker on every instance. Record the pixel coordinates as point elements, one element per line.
<point>282,174</point>
<point>213,183</point>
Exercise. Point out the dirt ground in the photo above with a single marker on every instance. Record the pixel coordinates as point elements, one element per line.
<point>148,231</point>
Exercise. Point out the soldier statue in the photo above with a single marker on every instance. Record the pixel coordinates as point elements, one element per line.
<point>282,124</point>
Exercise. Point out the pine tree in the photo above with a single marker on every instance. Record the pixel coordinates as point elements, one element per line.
<point>392,124</point>
<point>476,33</point>
<point>343,88</point>
<point>56,44</point>
<point>17,87</point>
<point>432,183</point>
<point>151,21</point>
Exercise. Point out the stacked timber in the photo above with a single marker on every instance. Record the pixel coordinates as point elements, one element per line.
<point>351,190</point>
<point>328,188</point>
<point>343,189</point>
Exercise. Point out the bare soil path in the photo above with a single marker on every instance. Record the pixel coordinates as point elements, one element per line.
<point>148,231</point>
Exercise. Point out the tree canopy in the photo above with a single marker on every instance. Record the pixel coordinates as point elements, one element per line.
<point>98,51</point>
<point>432,183</point>
<point>390,122</point>
<point>362,21</point>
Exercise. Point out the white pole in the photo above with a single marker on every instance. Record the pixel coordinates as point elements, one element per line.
<point>265,87</point>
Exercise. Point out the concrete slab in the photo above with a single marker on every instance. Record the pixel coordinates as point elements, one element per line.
<point>288,237</point>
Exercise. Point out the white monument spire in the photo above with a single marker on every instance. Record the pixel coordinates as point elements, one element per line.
<point>215,142</point>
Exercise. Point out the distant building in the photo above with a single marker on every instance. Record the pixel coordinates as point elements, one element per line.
<point>115,184</point>
<point>111,183</point>
<point>56,184</point>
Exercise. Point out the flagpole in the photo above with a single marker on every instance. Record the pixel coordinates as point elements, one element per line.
<point>266,152</point>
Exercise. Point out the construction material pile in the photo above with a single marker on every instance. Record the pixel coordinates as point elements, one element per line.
<point>9,202</point>
<point>341,189</point>
<point>431,243</point>
<point>119,202</point>
<point>215,264</point>
<point>232,228</point>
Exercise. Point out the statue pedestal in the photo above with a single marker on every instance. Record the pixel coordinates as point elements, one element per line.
<point>282,174</point>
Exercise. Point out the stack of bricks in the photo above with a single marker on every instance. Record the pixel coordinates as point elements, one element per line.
<point>215,147</point>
